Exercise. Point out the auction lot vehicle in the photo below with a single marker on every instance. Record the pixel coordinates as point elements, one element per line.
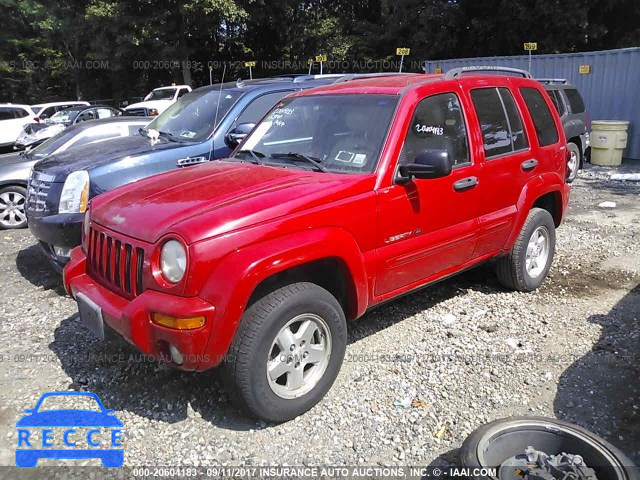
<point>158,100</point>
<point>12,118</point>
<point>342,197</point>
<point>35,133</point>
<point>575,119</point>
<point>47,110</point>
<point>15,167</point>
<point>204,125</point>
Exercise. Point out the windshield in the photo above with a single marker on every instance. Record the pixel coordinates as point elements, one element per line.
<point>64,116</point>
<point>344,133</point>
<point>192,117</point>
<point>163,94</point>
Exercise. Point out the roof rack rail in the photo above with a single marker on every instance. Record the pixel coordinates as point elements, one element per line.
<point>563,81</point>
<point>457,72</point>
<point>356,76</point>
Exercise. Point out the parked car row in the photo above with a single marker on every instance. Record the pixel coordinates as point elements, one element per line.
<point>25,126</point>
<point>16,167</point>
<point>332,195</point>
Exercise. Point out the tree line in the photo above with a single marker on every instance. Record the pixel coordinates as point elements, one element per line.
<point>119,49</point>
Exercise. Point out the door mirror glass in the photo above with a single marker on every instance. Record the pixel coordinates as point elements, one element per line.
<point>430,163</point>
<point>235,136</point>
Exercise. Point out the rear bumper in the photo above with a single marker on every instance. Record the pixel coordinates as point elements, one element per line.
<point>131,319</point>
<point>62,230</point>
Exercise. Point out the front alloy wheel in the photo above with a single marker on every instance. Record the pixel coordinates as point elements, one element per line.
<point>286,353</point>
<point>12,203</point>
<point>299,356</point>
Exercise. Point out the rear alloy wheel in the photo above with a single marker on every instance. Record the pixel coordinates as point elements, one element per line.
<point>12,202</point>
<point>286,353</point>
<point>527,264</point>
<point>574,161</point>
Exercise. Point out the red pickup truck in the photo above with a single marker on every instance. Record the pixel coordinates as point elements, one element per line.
<point>341,198</point>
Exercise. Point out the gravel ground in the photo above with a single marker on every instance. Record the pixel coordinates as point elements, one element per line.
<point>420,373</point>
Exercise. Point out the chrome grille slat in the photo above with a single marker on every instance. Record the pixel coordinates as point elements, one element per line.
<point>37,192</point>
<point>115,263</point>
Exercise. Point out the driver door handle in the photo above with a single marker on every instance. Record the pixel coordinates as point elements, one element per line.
<point>465,184</point>
<point>529,165</point>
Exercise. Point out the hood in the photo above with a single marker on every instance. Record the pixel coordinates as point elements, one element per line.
<point>159,105</point>
<point>10,160</point>
<point>229,195</point>
<point>100,153</point>
<point>34,136</point>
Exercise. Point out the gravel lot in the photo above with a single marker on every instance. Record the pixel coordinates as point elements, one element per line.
<point>420,374</point>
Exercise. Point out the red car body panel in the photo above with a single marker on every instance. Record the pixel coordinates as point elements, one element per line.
<point>247,223</point>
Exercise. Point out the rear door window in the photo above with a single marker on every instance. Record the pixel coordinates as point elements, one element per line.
<point>557,101</point>
<point>21,113</point>
<point>6,114</point>
<point>541,116</point>
<point>575,100</point>
<point>500,121</point>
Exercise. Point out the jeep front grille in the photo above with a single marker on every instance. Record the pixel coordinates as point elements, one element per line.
<point>37,192</point>
<point>115,263</point>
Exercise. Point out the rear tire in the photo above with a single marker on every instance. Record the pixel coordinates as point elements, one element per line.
<point>527,264</point>
<point>575,161</point>
<point>286,353</point>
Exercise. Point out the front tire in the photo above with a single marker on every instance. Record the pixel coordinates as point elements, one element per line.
<point>286,353</point>
<point>527,264</point>
<point>12,207</point>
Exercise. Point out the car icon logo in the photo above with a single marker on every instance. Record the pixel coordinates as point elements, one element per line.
<point>85,433</point>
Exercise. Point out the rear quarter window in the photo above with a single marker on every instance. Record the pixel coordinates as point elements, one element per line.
<point>541,116</point>
<point>575,100</point>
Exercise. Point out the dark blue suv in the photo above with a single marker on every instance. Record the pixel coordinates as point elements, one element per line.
<point>203,125</point>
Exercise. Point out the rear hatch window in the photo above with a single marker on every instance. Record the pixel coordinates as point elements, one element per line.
<point>575,100</point>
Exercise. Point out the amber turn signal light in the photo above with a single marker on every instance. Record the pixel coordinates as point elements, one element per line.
<point>178,323</point>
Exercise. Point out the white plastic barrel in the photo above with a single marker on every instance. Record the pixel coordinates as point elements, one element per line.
<point>608,141</point>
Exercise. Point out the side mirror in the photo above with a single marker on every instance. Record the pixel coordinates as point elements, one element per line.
<point>29,410</point>
<point>431,163</point>
<point>235,136</point>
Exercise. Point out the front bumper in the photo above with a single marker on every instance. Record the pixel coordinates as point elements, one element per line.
<point>62,230</point>
<point>131,319</point>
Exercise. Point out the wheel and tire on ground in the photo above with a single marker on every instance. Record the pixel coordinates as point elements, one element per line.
<point>527,264</point>
<point>286,353</point>
<point>494,443</point>
<point>12,203</point>
<point>575,160</point>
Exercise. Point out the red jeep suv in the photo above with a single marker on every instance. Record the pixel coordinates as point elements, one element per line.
<point>341,198</point>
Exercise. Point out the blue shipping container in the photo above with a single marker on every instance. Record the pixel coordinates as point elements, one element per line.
<point>610,89</point>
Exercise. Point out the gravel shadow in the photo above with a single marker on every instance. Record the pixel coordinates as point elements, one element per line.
<point>600,391</point>
<point>36,269</point>
<point>480,279</point>
<point>127,380</point>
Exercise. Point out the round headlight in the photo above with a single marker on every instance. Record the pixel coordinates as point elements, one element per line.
<point>173,261</point>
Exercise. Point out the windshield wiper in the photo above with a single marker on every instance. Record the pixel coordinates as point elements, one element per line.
<point>169,136</point>
<point>300,156</point>
<point>144,132</point>
<point>257,156</point>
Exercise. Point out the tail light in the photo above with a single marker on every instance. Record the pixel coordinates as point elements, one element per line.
<point>37,119</point>
<point>588,121</point>
<point>567,159</point>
